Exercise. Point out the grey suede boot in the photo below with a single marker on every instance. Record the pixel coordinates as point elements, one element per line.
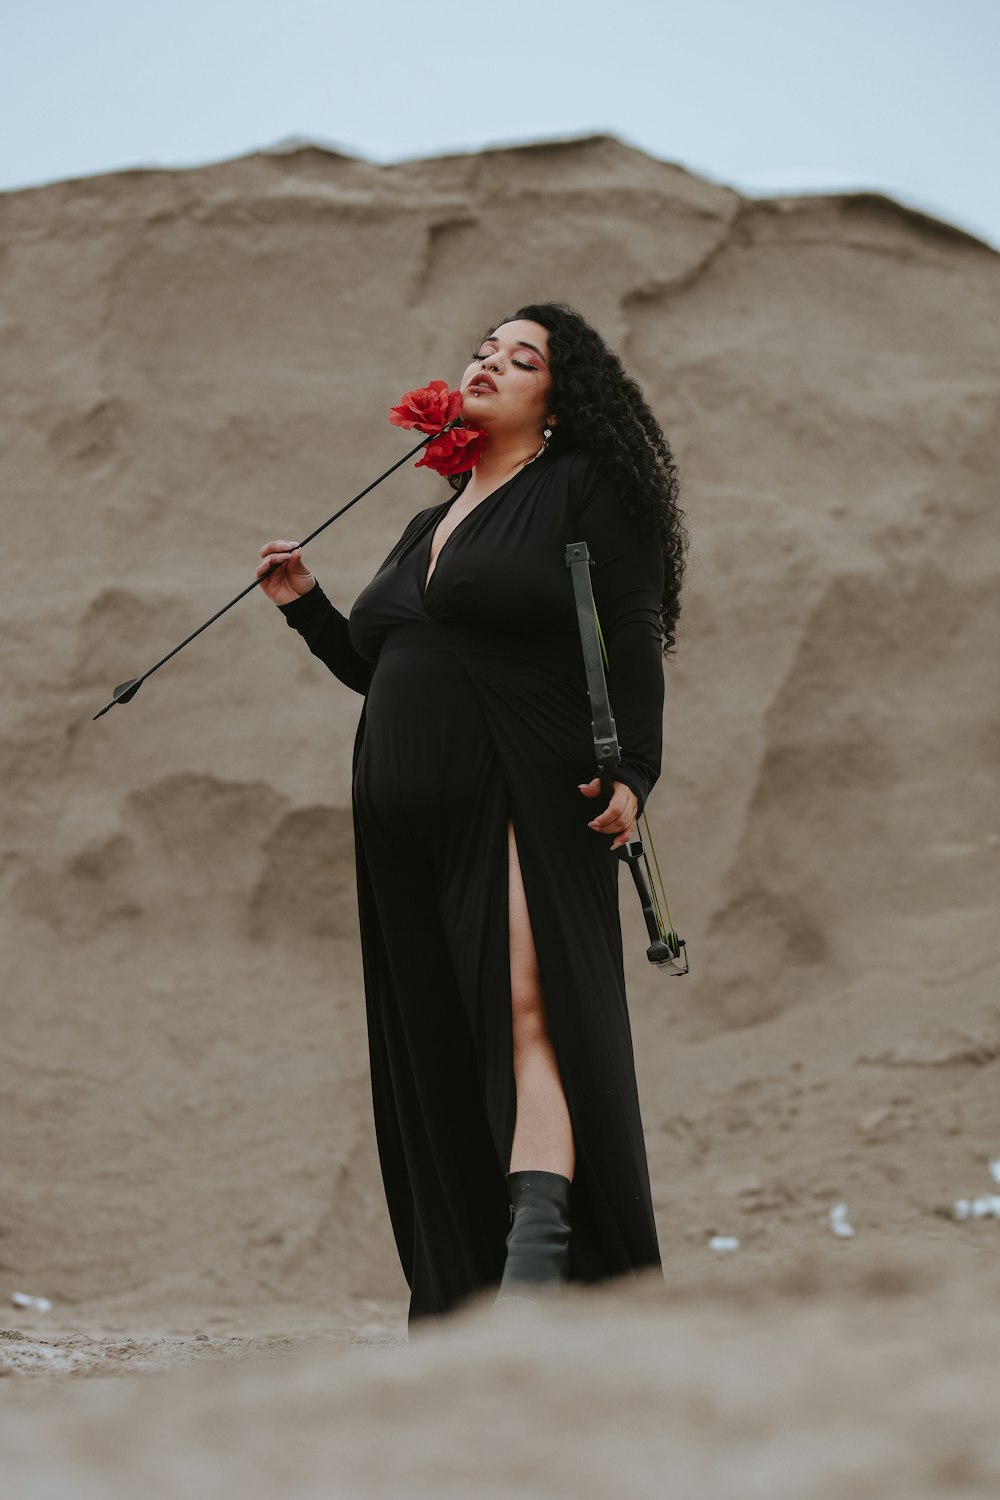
<point>538,1242</point>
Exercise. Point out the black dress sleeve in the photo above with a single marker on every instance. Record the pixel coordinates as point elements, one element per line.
<point>628,578</point>
<point>324,630</point>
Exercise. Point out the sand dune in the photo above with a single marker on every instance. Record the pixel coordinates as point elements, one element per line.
<point>194,362</point>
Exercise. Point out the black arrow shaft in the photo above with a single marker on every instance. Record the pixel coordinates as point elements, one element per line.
<point>137,682</point>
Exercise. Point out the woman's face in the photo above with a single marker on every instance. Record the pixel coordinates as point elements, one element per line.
<point>507,389</point>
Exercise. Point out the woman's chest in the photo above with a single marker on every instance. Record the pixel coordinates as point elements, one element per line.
<point>499,567</point>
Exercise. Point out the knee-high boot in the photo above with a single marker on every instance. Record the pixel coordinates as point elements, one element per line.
<point>538,1241</point>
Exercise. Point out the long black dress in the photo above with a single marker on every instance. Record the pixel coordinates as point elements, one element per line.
<point>476,711</point>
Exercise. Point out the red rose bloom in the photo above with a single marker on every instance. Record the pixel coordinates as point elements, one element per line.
<point>458,450</point>
<point>429,409</point>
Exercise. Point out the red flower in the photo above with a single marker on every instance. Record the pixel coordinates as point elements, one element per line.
<point>458,450</point>
<point>429,409</point>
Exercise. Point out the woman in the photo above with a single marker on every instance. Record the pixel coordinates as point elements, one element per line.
<point>503,1078</point>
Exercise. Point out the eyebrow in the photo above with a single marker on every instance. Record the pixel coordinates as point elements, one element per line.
<point>491,338</point>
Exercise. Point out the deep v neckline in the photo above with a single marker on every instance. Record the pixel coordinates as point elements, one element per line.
<point>426,556</point>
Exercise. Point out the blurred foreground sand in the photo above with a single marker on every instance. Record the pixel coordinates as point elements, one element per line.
<point>868,1372</point>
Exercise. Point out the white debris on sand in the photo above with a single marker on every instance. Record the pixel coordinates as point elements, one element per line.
<point>839,1222</point>
<point>984,1206</point>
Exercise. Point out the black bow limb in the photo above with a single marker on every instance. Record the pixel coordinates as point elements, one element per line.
<point>125,691</point>
<point>666,949</point>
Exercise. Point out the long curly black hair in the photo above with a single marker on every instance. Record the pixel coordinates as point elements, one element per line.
<point>601,410</point>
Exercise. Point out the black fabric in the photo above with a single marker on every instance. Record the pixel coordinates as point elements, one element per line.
<point>476,711</point>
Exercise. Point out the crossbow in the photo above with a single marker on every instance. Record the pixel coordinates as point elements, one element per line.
<point>666,950</point>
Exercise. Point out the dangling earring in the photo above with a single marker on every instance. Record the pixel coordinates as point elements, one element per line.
<point>546,438</point>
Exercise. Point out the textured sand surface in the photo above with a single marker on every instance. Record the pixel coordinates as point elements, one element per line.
<point>192,363</point>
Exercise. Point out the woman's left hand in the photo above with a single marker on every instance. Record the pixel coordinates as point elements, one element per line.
<point>619,815</point>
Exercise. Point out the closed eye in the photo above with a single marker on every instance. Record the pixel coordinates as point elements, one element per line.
<point>479,358</point>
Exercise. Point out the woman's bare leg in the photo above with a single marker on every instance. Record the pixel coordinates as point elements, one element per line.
<point>543,1134</point>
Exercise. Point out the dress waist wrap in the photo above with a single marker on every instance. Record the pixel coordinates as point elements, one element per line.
<point>560,650</point>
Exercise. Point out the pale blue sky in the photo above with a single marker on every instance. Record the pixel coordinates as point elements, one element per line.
<point>897,95</point>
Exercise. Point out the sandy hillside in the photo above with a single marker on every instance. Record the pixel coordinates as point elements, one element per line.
<point>194,362</point>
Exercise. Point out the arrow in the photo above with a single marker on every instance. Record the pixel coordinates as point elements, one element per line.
<point>126,691</point>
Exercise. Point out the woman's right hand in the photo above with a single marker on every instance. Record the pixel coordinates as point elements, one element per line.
<point>289,581</point>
